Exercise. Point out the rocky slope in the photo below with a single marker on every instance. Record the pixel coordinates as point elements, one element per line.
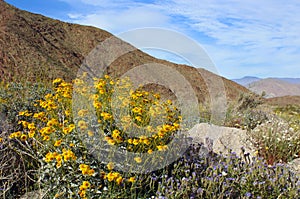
<point>37,48</point>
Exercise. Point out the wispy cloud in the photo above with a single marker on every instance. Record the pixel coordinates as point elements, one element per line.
<point>120,20</point>
<point>248,37</point>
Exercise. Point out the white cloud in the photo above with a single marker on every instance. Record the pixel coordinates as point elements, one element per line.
<point>120,20</point>
<point>242,37</point>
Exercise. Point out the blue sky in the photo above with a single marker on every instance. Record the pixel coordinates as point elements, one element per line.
<point>249,37</point>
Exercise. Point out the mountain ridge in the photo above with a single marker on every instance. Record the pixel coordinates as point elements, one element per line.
<point>38,48</point>
<point>272,86</point>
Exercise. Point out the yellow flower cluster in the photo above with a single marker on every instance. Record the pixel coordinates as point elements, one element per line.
<point>25,113</point>
<point>67,155</point>
<point>62,89</point>
<point>56,129</point>
<point>86,170</point>
<point>114,176</point>
<point>83,189</point>
<point>106,116</point>
<point>68,129</point>
<point>82,125</point>
<point>54,156</point>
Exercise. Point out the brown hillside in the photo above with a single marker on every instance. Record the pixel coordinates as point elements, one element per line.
<point>283,101</point>
<point>34,47</point>
<point>274,88</point>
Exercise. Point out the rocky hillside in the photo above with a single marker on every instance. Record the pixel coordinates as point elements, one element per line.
<point>37,48</point>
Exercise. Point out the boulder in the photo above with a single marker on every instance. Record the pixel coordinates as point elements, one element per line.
<point>219,139</point>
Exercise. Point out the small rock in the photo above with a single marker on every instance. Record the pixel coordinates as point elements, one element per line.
<point>39,194</point>
<point>294,165</point>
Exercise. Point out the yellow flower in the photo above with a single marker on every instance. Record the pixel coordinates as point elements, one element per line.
<point>82,112</point>
<point>46,138</point>
<point>135,141</point>
<point>57,81</point>
<point>31,126</point>
<point>267,148</point>
<point>102,91</point>
<point>119,180</point>
<point>144,140</point>
<point>131,179</point>
<point>58,195</point>
<point>39,115</point>
<point>85,185</point>
<point>167,127</point>
<point>49,157</point>
<point>83,166</point>
<point>69,129</point>
<point>176,126</point>
<point>162,148</point>
<point>150,151</point>
<point>52,122</point>
<point>138,110</point>
<point>68,155</point>
<point>15,134</point>
<point>97,105</point>
<point>82,125</point>
<point>169,102</point>
<point>138,159</point>
<point>91,172</point>
<point>78,81</point>
<point>47,130</point>
<point>138,118</point>
<point>110,166</point>
<point>67,112</point>
<point>22,113</point>
<point>112,176</point>
<point>82,192</point>
<point>110,141</point>
<point>90,133</point>
<point>86,170</point>
<point>150,128</point>
<point>129,141</point>
<point>23,137</point>
<point>58,143</point>
<point>1,139</point>
<point>58,158</point>
<point>115,133</point>
<point>116,136</point>
<point>106,116</point>
<point>24,123</point>
<point>31,134</point>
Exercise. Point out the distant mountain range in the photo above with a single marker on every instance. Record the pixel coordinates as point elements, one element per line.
<point>272,87</point>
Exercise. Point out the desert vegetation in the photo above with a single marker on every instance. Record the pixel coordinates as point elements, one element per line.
<point>44,145</point>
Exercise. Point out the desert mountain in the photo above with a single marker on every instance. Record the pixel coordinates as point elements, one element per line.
<point>246,80</point>
<point>275,88</point>
<point>272,87</point>
<point>37,48</point>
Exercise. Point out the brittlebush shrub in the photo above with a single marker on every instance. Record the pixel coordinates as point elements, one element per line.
<point>59,130</point>
<point>17,161</point>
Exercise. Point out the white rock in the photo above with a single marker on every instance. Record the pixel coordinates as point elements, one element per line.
<point>223,138</point>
